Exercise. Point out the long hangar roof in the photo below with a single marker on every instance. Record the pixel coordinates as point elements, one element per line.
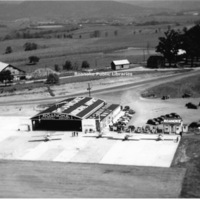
<point>79,107</point>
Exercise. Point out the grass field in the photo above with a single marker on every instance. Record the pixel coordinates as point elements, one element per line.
<point>177,88</point>
<point>95,50</point>
<point>24,179</point>
<point>188,156</point>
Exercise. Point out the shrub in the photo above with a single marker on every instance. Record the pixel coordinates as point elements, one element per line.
<point>52,79</point>
<point>85,65</point>
<point>67,65</point>
<point>33,59</point>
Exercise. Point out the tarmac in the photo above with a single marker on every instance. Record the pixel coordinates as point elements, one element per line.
<point>139,150</point>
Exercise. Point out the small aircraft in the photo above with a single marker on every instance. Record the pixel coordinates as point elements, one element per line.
<point>46,138</point>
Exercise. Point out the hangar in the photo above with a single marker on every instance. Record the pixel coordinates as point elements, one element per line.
<point>76,114</point>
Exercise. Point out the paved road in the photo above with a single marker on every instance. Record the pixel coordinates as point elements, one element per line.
<point>150,82</point>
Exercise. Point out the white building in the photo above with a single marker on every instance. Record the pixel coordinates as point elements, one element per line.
<point>120,64</point>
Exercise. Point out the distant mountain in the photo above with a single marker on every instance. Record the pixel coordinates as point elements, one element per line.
<point>173,5</point>
<point>69,9</point>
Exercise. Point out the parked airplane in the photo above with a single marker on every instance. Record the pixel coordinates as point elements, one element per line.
<point>46,138</point>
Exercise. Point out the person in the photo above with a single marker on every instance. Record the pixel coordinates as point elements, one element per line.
<point>181,133</point>
<point>77,133</point>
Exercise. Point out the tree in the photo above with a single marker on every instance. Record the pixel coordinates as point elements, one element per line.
<point>57,68</point>
<point>169,45</point>
<point>67,65</point>
<point>33,60</point>
<point>6,76</point>
<point>191,43</point>
<point>28,46</point>
<point>85,65</point>
<point>8,50</point>
<point>52,79</point>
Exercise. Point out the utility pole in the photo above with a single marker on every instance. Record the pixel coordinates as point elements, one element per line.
<point>89,89</point>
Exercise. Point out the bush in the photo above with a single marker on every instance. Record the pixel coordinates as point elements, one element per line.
<point>33,60</point>
<point>52,79</point>
<point>85,65</point>
<point>28,46</point>
<point>8,50</point>
<point>57,68</point>
<point>67,65</point>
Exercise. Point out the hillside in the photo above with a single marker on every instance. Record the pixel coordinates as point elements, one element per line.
<point>172,5</point>
<point>69,9</point>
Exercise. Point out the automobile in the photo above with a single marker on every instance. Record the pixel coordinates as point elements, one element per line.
<point>126,108</point>
<point>151,122</point>
<point>131,127</point>
<point>128,130</point>
<point>131,112</point>
<point>138,130</point>
<point>165,97</point>
<point>191,106</point>
<point>186,95</point>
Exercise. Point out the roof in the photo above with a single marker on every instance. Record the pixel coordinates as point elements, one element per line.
<point>3,66</point>
<point>78,107</point>
<point>107,111</point>
<point>121,62</point>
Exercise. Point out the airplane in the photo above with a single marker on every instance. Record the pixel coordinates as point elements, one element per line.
<point>46,138</point>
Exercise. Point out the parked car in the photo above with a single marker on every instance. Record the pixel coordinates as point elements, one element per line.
<point>131,112</point>
<point>191,106</point>
<point>138,130</point>
<point>186,95</point>
<point>131,127</point>
<point>126,108</point>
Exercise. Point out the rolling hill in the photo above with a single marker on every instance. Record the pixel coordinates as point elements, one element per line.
<point>69,9</point>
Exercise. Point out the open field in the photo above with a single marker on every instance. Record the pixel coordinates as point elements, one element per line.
<point>74,180</point>
<point>97,51</point>
<point>176,89</point>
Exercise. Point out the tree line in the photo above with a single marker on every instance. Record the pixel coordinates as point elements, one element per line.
<point>187,40</point>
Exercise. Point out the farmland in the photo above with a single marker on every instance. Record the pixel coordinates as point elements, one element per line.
<point>98,51</point>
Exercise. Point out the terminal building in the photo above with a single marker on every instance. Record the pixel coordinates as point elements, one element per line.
<point>76,114</point>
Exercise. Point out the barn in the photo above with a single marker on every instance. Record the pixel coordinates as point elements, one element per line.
<point>76,114</point>
<point>18,74</point>
<point>120,64</point>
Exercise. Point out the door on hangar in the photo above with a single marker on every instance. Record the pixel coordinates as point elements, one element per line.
<point>57,125</point>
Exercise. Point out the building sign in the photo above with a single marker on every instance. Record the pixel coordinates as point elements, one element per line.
<point>54,116</point>
<point>172,121</point>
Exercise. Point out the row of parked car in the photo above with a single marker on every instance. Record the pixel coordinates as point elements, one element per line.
<point>159,120</point>
<point>122,122</point>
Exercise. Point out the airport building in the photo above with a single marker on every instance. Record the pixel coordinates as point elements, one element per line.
<point>76,114</point>
<point>174,126</point>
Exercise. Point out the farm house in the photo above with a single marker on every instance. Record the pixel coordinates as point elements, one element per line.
<point>120,64</point>
<point>18,74</point>
<point>76,114</point>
